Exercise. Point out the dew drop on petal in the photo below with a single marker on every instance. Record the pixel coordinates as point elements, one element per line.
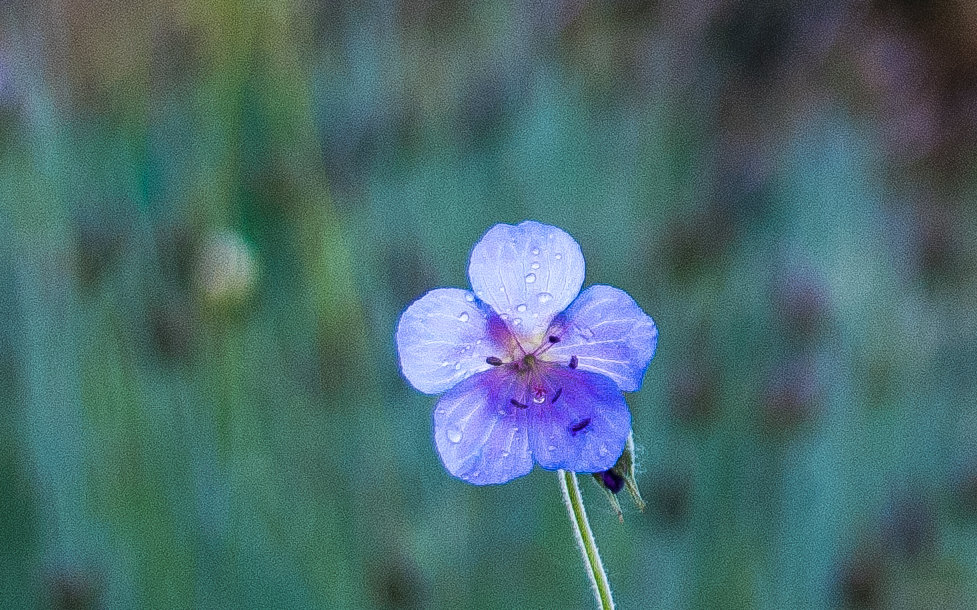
<point>516,321</point>
<point>539,398</point>
<point>535,251</point>
<point>469,297</point>
<point>504,316</point>
<point>530,278</point>
<point>457,366</point>
<point>603,450</point>
<point>501,288</point>
<point>558,256</point>
<point>544,297</point>
<point>454,435</point>
<point>535,265</point>
<point>521,308</point>
<point>551,448</point>
<point>463,317</point>
<point>505,454</point>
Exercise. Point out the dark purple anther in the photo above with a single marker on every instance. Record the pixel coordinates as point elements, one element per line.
<point>556,396</point>
<point>554,339</point>
<point>612,481</point>
<point>518,404</point>
<point>573,362</point>
<point>493,360</point>
<point>579,425</point>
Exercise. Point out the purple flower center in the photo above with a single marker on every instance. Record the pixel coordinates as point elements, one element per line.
<point>532,370</point>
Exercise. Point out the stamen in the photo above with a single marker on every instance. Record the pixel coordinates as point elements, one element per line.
<point>493,360</point>
<point>579,425</point>
<point>516,403</point>
<point>573,362</point>
<point>554,339</point>
<point>556,396</point>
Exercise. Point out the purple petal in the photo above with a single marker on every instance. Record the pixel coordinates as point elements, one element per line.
<point>527,273</point>
<point>444,337</point>
<point>609,334</point>
<point>585,429</point>
<point>481,436</point>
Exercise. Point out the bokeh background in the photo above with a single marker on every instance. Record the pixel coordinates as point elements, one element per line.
<point>212,214</point>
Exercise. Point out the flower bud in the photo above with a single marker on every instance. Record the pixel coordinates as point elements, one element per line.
<point>227,271</point>
<point>621,476</point>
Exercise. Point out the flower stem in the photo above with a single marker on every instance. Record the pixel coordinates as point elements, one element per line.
<point>585,539</point>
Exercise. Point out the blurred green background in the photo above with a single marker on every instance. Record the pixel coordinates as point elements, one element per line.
<point>212,214</point>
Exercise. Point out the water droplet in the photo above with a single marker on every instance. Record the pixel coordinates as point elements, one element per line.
<point>442,411</point>
<point>539,398</point>
<point>505,454</point>
<point>521,308</point>
<point>504,316</point>
<point>535,265</point>
<point>517,321</point>
<point>551,448</point>
<point>478,342</point>
<point>469,297</point>
<point>463,317</point>
<point>544,297</point>
<point>501,288</point>
<point>454,435</point>
<point>530,278</point>
<point>501,411</point>
<point>479,294</point>
<point>457,366</point>
<point>557,256</point>
<point>476,473</point>
<point>535,251</point>
<point>603,450</point>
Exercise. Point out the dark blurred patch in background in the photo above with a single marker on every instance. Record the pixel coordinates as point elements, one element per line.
<point>212,214</point>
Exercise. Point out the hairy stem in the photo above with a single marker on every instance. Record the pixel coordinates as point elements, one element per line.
<point>585,539</point>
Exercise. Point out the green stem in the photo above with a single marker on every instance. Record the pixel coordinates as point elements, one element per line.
<point>585,539</point>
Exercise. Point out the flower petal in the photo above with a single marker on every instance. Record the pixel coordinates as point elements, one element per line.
<point>445,336</point>
<point>609,334</point>
<point>527,273</point>
<point>481,436</point>
<point>585,428</point>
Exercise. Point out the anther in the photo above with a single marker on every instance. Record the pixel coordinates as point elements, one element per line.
<point>516,403</point>
<point>573,362</point>
<point>554,339</point>
<point>556,396</point>
<point>579,425</point>
<point>493,360</point>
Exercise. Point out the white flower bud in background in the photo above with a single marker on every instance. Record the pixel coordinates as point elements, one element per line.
<point>227,272</point>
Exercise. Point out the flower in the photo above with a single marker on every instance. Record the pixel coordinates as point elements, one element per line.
<point>531,368</point>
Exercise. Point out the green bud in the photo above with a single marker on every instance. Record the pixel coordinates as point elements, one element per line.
<point>227,270</point>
